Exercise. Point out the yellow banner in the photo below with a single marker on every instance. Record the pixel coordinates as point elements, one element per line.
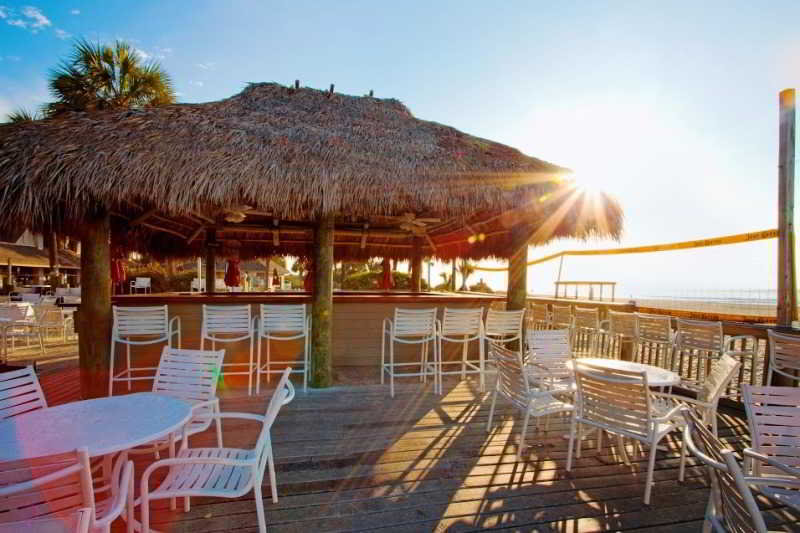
<point>715,241</point>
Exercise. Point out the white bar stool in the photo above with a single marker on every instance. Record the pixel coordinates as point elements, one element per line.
<point>230,323</point>
<point>283,323</point>
<point>139,326</point>
<point>411,326</point>
<point>463,326</point>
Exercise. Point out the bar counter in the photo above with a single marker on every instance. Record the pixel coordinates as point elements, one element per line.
<point>357,322</point>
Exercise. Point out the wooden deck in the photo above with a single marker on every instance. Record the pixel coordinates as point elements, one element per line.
<point>353,459</point>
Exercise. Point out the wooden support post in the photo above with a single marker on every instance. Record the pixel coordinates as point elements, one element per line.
<point>322,304</point>
<point>453,276</point>
<point>93,318</point>
<point>211,260</point>
<point>416,266</point>
<point>10,282</point>
<point>53,253</point>
<point>517,293</point>
<point>787,283</point>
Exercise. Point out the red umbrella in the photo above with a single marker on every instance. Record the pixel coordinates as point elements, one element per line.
<point>387,281</point>
<point>276,280</point>
<point>117,274</point>
<point>308,282</point>
<point>233,277</point>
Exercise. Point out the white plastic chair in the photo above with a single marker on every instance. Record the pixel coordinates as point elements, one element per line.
<point>463,326</point>
<point>713,388</point>
<point>774,419</point>
<point>549,351</point>
<point>620,329</point>
<point>138,326</point>
<point>539,316</point>
<point>20,393</point>
<point>280,323</point>
<point>731,505</point>
<point>191,376</point>
<point>227,472</point>
<point>17,321</point>
<point>411,326</point>
<point>586,330</point>
<point>59,485</point>
<point>51,317</point>
<point>142,284</point>
<point>561,317</point>
<point>654,338</point>
<point>618,402</point>
<point>505,327</point>
<point>230,323</point>
<point>512,384</point>
<point>784,356</point>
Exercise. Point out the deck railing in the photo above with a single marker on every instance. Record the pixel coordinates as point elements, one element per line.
<point>752,350</point>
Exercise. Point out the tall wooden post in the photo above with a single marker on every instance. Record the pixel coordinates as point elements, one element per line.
<point>94,314</point>
<point>517,292</point>
<point>322,304</point>
<point>211,260</point>
<point>453,276</point>
<point>787,283</point>
<point>53,253</point>
<point>416,266</point>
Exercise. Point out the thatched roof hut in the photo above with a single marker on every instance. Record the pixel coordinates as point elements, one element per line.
<point>261,165</point>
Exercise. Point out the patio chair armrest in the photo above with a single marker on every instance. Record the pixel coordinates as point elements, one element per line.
<point>172,329</point>
<point>669,415</point>
<point>177,461</point>
<point>751,454</point>
<point>681,399</point>
<point>120,499</point>
<point>731,342</point>
<point>230,414</point>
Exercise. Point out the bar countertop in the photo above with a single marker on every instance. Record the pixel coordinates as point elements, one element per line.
<point>301,297</point>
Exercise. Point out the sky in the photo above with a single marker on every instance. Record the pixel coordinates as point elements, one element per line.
<point>672,107</point>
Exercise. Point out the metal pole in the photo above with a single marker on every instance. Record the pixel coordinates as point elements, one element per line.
<point>787,283</point>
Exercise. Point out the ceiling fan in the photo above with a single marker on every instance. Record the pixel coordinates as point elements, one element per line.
<point>417,226</point>
<point>237,214</point>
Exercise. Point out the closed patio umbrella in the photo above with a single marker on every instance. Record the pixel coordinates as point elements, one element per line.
<point>233,276</point>
<point>387,281</point>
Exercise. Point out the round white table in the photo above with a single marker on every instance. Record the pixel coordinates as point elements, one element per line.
<point>656,377</point>
<point>102,425</point>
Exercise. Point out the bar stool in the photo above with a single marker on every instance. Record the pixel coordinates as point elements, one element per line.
<point>139,326</point>
<point>463,326</point>
<point>586,330</point>
<point>505,326</point>
<point>411,326</point>
<point>283,323</point>
<point>230,323</point>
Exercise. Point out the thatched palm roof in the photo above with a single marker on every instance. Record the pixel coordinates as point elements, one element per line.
<point>280,157</point>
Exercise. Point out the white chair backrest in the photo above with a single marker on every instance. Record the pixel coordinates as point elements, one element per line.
<point>226,319</point>
<point>615,399</point>
<point>283,318</point>
<point>462,322</point>
<point>622,324</point>
<point>733,501</point>
<point>699,335</point>
<point>512,383</point>
<point>722,372</point>
<point>562,316</point>
<point>550,350</point>
<point>774,419</point>
<point>414,322</point>
<point>20,392</point>
<point>190,375</point>
<point>539,312</point>
<point>784,356</point>
<point>48,315</point>
<point>284,393</point>
<point>585,317</point>
<point>653,328</point>
<point>505,323</point>
<point>46,486</point>
<point>151,321</point>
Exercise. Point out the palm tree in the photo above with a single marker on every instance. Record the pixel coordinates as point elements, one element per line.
<point>99,76</point>
<point>466,269</point>
<point>23,115</point>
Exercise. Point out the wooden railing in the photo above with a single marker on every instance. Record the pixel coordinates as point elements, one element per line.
<point>754,350</point>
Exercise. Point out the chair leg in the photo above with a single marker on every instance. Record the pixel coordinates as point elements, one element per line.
<point>423,377</point>
<point>258,365</point>
<point>383,356</point>
<point>187,506</point>
<point>524,433</point>
<point>111,370</point>
<point>579,436</point>
<point>128,363</point>
<point>651,464</point>
<point>682,469</point>
<point>491,411</point>
<point>482,365</point>
<point>250,370</point>
<point>571,446</point>
<point>262,522</point>
<point>391,369</point>
<point>306,364</point>
<point>464,347</point>
<point>273,481</point>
